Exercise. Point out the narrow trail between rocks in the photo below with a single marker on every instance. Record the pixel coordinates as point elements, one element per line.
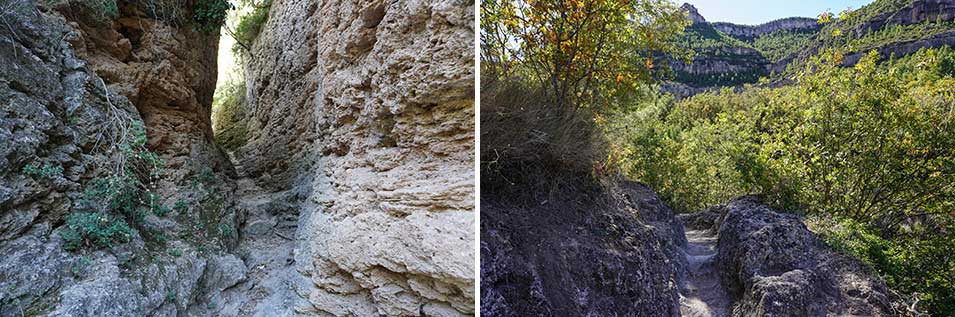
<point>703,294</point>
<point>266,243</point>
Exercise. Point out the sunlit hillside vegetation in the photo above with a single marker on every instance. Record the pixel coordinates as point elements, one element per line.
<point>868,151</point>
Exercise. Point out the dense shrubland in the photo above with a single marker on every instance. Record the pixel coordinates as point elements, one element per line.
<point>550,69</point>
<point>868,151</point>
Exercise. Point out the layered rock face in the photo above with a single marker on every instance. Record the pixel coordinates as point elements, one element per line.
<point>365,109</point>
<point>604,252</point>
<point>753,31</point>
<point>773,266</point>
<point>166,67</point>
<point>71,82</point>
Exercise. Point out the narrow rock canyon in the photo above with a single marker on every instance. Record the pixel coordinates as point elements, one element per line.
<point>352,195</point>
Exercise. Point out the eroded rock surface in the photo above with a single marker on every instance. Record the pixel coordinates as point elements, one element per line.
<point>773,266</point>
<point>365,108</point>
<point>69,79</point>
<point>582,253</point>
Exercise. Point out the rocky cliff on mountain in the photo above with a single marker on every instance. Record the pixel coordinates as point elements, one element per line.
<point>733,55</point>
<point>751,32</point>
<point>364,110</point>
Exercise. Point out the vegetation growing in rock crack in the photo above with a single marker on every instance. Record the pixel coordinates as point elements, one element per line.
<point>229,115</point>
<point>210,15</point>
<point>250,24</point>
<point>112,205</point>
<point>45,172</point>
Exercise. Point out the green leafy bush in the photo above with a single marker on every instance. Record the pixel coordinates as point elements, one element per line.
<point>210,15</point>
<point>120,198</point>
<point>102,10</point>
<point>873,144</point>
<point>250,25</point>
<point>47,171</point>
<point>229,116</point>
<point>96,230</point>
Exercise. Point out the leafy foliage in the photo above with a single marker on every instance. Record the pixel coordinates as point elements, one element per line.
<point>585,53</point>
<point>703,37</point>
<point>46,171</point>
<point>94,230</point>
<point>210,15</point>
<point>116,200</point>
<point>250,24</point>
<point>872,144</point>
<point>776,46</point>
<point>102,10</point>
<point>229,115</point>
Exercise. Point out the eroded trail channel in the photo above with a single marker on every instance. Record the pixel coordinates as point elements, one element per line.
<point>702,294</point>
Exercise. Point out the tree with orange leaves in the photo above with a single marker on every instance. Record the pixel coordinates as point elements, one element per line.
<point>583,53</point>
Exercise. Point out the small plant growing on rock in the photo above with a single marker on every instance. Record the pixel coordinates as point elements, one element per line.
<point>175,252</point>
<point>155,205</point>
<point>250,25</point>
<point>171,296</point>
<point>97,230</point>
<point>111,203</point>
<point>47,171</point>
<point>181,207</point>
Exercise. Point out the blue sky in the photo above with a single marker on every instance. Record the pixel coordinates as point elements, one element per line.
<point>760,11</point>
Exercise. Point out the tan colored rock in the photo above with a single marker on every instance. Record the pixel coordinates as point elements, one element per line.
<point>167,72</point>
<point>367,107</point>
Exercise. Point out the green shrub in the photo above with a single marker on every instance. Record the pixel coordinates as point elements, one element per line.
<point>46,172</point>
<point>96,230</point>
<point>229,116</point>
<point>250,25</point>
<point>120,198</point>
<point>873,144</point>
<point>210,15</point>
<point>102,10</point>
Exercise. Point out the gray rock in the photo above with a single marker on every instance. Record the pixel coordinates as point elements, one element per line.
<point>581,253</point>
<point>774,266</point>
<point>224,271</point>
<point>259,227</point>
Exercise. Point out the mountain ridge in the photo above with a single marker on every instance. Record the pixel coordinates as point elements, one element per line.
<point>729,54</point>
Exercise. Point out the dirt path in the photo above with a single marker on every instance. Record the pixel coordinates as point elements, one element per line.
<point>266,243</point>
<point>703,294</point>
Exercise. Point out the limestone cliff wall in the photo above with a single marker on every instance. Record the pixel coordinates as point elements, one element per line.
<point>754,31</point>
<point>70,78</point>
<point>366,108</point>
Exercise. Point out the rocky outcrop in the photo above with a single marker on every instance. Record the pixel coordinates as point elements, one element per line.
<point>773,266</point>
<point>165,68</point>
<point>72,82</point>
<point>365,109</point>
<point>581,252</point>
<point>692,13</point>
<point>915,12</point>
<point>750,32</point>
<point>905,48</point>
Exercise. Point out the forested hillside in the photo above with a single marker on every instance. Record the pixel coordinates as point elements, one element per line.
<point>727,54</point>
<point>865,153</point>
